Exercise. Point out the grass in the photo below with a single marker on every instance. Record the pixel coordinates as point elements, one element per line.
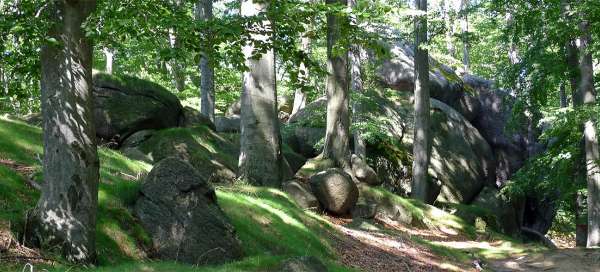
<point>270,225</point>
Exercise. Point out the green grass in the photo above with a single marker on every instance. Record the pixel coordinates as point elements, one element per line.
<point>270,226</point>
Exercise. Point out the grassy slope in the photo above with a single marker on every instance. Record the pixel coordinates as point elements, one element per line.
<point>269,224</point>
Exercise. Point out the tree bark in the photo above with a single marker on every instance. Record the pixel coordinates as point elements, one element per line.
<point>446,8</point>
<point>109,56</point>
<point>562,93</point>
<point>420,184</point>
<point>464,24</point>
<point>337,136</point>
<point>65,215</point>
<point>207,71</point>
<point>356,86</point>
<point>592,154</point>
<point>303,76</point>
<point>174,66</point>
<point>261,161</point>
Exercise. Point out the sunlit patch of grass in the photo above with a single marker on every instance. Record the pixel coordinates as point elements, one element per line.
<point>267,221</point>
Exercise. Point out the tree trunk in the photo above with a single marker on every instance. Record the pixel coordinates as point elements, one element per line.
<point>337,136</point>
<point>174,66</point>
<point>356,86</point>
<point>109,56</point>
<point>261,161</point>
<point>446,8</point>
<point>420,185</point>
<point>207,71</point>
<point>464,24</point>
<point>563,96</point>
<point>303,76</point>
<point>65,215</point>
<point>592,154</point>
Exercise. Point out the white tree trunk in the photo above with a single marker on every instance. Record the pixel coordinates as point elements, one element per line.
<point>261,161</point>
<point>356,85</point>
<point>337,136</point>
<point>65,215</point>
<point>420,184</point>
<point>446,9</point>
<point>592,154</point>
<point>207,71</point>
<point>109,55</point>
<point>303,77</point>
<point>464,24</point>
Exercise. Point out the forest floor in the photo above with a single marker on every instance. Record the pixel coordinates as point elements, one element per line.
<point>271,227</point>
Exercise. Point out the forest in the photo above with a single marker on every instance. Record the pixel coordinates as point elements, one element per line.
<point>299,135</point>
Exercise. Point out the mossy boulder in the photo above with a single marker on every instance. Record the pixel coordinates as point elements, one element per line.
<point>398,72</point>
<point>213,156</point>
<point>502,211</point>
<point>313,166</point>
<point>192,118</point>
<point>179,210</point>
<point>124,105</point>
<point>335,190</point>
<point>461,159</point>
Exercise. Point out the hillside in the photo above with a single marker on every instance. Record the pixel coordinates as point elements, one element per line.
<point>270,225</point>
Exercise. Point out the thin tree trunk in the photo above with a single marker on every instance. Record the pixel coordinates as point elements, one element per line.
<point>337,136</point>
<point>65,215</point>
<point>446,9</point>
<point>573,71</point>
<point>562,92</point>
<point>261,161</point>
<point>464,24</point>
<point>303,76</point>
<point>356,86</point>
<point>207,71</point>
<point>420,184</point>
<point>109,56</point>
<point>592,154</point>
<point>174,66</point>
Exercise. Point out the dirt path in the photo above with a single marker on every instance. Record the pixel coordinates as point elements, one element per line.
<point>571,260</point>
<point>374,251</point>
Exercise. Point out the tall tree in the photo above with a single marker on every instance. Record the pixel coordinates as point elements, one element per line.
<point>337,136</point>
<point>174,66</point>
<point>109,56</point>
<point>65,215</point>
<point>421,148</point>
<point>464,24</point>
<point>446,6</point>
<point>207,72</point>
<point>592,154</point>
<point>261,161</point>
<point>356,86</point>
<point>303,77</point>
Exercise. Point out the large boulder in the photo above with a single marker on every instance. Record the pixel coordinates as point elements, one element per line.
<point>124,105</point>
<point>461,159</point>
<point>363,172</point>
<point>492,122</point>
<point>301,193</point>
<point>213,156</point>
<point>192,117</point>
<point>234,109</point>
<point>504,215</point>
<point>335,190</point>
<point>228,124</point>
<point>398,72</point>
<point>178,208</point>
<point>303,264</point>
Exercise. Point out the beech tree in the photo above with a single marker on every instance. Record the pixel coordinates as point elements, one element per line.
<point>261,161</point>
<point>592,154</point>
<point>421,131</point>
<point>337,135</point>
<point>204,11</point>
<point>65,215</point>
